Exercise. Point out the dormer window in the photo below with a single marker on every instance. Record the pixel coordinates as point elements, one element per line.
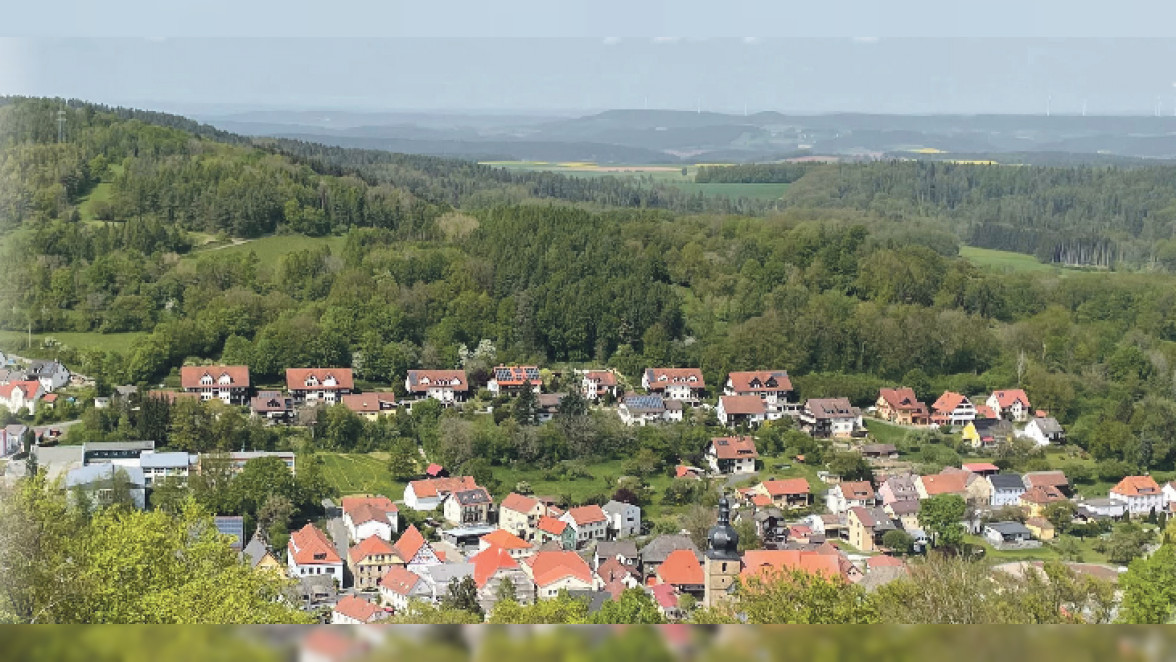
<point>330,381</point>
<point>425,381</point>
<point>226,379</point>
<point>311,381</point>
<point>206,379</point>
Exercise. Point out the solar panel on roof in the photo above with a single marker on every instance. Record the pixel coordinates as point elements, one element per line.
<point>231,526</point>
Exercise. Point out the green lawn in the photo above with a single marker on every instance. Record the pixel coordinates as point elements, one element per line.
<point>359,473</point>
<point>1005,261</point>
<point>16,341</point>
<point>1044,553</point>
<point>885,433</point>
<point>269,249</point>
<point>100,193</point>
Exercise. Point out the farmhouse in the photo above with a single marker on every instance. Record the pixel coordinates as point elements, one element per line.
<point>1012,404</point>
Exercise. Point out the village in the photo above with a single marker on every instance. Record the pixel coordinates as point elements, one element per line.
<point>368,559</point>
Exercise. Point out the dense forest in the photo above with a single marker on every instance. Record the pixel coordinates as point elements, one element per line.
<point>856,283</point>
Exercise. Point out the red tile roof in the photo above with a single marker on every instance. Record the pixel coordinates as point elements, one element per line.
<point>1008,397</point>
<point>551,525</point>
<point>434,470</point>
<point>742,404</point>
<point>945,483</point>
<point>665,595</point>
<point>1132,486</point>
<point>28,389</point>
<point>948,402</point>
<point>786,486</point>
<point>660,378</point>
<point>505,539</point>
<point>370,546</point>
<point>1053,478</point>
<point>830,408</point>
<point>758,380</point>
<point>489,562</point>
<point>884,561</point>
<point>517,375</point>
<point>683,471</point>
<point>1043,494</point>
<point>410,543</point>
<point>190,375</point>
<point>613,573</point>
<point>419,381</point>
<point>761,562</point>
<point>368,508</point>
<point>368,403</point>
<point>519,503</point>
<point>761,500</point>
<point>977,467</point>
<point>902,399</point>
<point>856,490</point>
<point>310,546</point>
<point>399,580</point>
<point>432,487</point>
<point>602,377</point>
<point>357,608</point>
<point>551,566</point>
<point>984,411</point>
<point>587,515</point>
<point>296,379</point>
<point>681,568</point>
<point>734,448</point>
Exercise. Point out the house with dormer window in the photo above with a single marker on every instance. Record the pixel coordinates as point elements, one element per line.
<point>731,455</point>
<point>314,385</point>
<point>444,386</point>
<point>596,384</point>
<point>774,387</point>
<point>512,379</point>
<point>953,409</point>
<point>227,383</point>
<point>683,384</point>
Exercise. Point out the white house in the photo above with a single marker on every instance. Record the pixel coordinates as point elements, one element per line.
<point>367,516</point>
<point>624,519</point>
<point>1011,403</point>
<point>429,493</point>
<point>731,455</point>
<point>326,385</point>
<point>310,552</point>
<point>741,410</point>
<point>589,523</point>
<point>227,383</point>
<point>595,384</point>
<point>555,571</point>
<point>15,396</point>
<point>1044,431</point>
<point>444,386</point>
<point>830,417</point>
<point>1140,495</point>
<point>953,409</point>
<point>850,494</point>
<point>647,409</point>
<point>1169,493</point>
<point>399,586</point>
<point>685,384</point>
<point>774,387</point>
<point>511,380</point>
<point>355,610</point>
<point>1006,489</point>
<point>51,374</point>
<point>159,466</point>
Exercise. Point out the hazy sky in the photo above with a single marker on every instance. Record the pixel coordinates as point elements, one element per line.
<point>917,56</point>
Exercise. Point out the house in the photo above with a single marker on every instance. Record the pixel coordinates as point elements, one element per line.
<point>550,529</point>
<point>1035,499</point>
<point>788,493</point>
<point>589,523</point>
<point>1097,509</point>
<point>901,406</point>
<point>850,494</point>
<point>272,406</point>
<point>123,453</point>
<point>1006,490</point>
<point>227,383</point>
<point>1140,495</point>
<point>12,439</point>
<point>427,494</point>
<point>906,512</point>
<point>1012,404</point>
<point>310,552</point>
<point>952,409</point>
<point>157,467</point>
<point>773,387</point>
<point>514,545</point>
<point>657,550</point>
<point>879,451</point>
<point>622,551</point>
<point>520,515</point>
<point>682,570</point>
<point>511,380</point>
<point>987,433</point>
<point>982,469</point>
<point>51,375</point>
<point>977,490</point>
<point>1041,528</point>
<point>445,386</point>
<point>731,455</point>
<point>1007,533</point>
<point>494,566</point>
<point>259,556</point>
<point>984,411</point>
<point>547,406</point>
<point>1169,493</point>
<point>238,459</point>
<point>315,385</point>
<point>666,598</point>
<point>688,472</point>
<point>734,410</point>
<point>370,405</point>
<point>555,571</point>
<point>867,526</point>
<point>1048,479</point>
<point>682,384</point>
<point>645,409</point>
<point>830,525</point>
<point>764,564</point>
<point>370,560</point>
<point>99,482</point>
<point>354,610</point>
<point>830,417</point>
<point>399,586</point>
<point>366,516</point>
<point>596,384</point>
<point>415,551</point>
<point>898,488</point>
<point>1044,431</point>
<point>771,527</point>
<point>468,507</point>
<point>15,396</point>
<point>942,483</point>
<point>624,519</point>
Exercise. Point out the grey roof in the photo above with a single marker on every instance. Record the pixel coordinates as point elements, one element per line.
<point>904,484</point>
<point>673,405</point>
<point>126,390</point>
<point>93,473</point>
<point>825,408</point>
<point>1007,482</point>
<point>474,497</point>
<point>165,460</point>
<point>1010,528</point>
<point>878,577</point>
<point>614,507</point>
<point>993,425</point>
<point>1048,425</point>
<point>762,514</point>
<point>879,448</point>
<point>443,573</point>
<point>608,550</point>
<point>900,508</point>
<point>660,547</point>
<point>255,551</point>
<point>16,429</point>
<point>645,403</point>
<point>118,446</point>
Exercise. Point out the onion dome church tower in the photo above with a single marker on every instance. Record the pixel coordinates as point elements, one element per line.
<point>722,563</point>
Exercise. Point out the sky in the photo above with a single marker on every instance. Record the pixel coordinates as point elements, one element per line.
<point>217,56</point>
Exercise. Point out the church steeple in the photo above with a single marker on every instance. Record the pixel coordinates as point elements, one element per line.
<point>722,562</point>
<point>723,540</point>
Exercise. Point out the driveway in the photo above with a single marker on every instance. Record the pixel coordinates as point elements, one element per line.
<point>338,532</point>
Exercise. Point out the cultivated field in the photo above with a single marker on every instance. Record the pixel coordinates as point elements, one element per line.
<point>662,174</point>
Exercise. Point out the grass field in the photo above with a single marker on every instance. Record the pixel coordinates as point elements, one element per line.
<point>1006,261</point>
<point>17,342</point>
<point>357,473</point>
<point>100,193</point>
<point>663,174</point>
<point>269,249</point>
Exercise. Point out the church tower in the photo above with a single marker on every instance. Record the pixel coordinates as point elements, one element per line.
<point>722,563</point>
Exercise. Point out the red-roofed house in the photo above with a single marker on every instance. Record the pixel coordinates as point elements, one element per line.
<point>943,483</point>
<point>596,384</point>
<point>589,522</point>
<point>736,410</point>
<point>514,545</point>
<point>981,468</point>
<point>1140,494</point>
<point>901,406</point>
<point>370,405</point>
<point>684,384</point>
<point>732,455</point>
<point>666,597</point>
<point>786,493</point>
<point>399,585</point>
<point>512,379</point>
<point>16,396</point>
<point>370,560</point>
<point>429,493</point>
<point>985,412</point>
<point>952,409</point>
<point>849,494</point>
<point>1011,403</point>
<point>684,471</point>
<point>551,528</point>
<point>774,387</point>
<point>354,610</point>
<point>1037,498</point>
<point>414,550</point>
<point>553,571</point>
<point>764,564</point>
<point>492,567</point>
<point>227,383</point>
<point>310,385</point>
<point>444,386</point>
<point>310,552</point>
<point>366,516</point>
<point>682,570</point>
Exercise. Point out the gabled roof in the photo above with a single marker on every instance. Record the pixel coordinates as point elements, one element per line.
<point>410,543</point>
<point>587,515</point>
<point>681,568</point>
<point>884,561</point>
<point>945,483</point>
<point>296,378</point>
<point>551,525</point>
<point>267,401</point>
<point>759,380</point>
<point>519,503</point>
<point>1133,486</point>
<point>948,402</point>
<point>786,486</point>
<point>611,549</point>
<point>370,546</point>
<point>760,562</point>
<point>400,580</point>
<point>476,496</point>
<point>659,378</point>
<point>1010,396</point>
<point>190,375</point>
<point>902,399</point>
<point>827,408</point>
<point>310,546</point>
<point>551,566</point>
<point>1043,494</point>
<point>369,403</point>
<point>665,595</point>
<point>489,562</point>
<point>356,607</point>
<point>433,487</point>
<point>1054,478</point>
<point>734,448</point>
<point>28,389</point>
<point>517,375</point>
<point>602,377</point>
<point>640,404</point>
<point>1047,425</point>
<point>874,518</point>
<point>368,508</point>
<point>419,381</point>
<point>746,405</point>
<point>856,490</point>
<point>907,507</point>
<point>505,539</point>
<point>978,467</point>
<point>660,547</point>
<point>985,413</point>
<point>1007,482</point>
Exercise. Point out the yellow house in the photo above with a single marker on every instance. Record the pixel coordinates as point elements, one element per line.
<point>987,432</point>
<point>259,557</point>
<point>1040,528</point>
